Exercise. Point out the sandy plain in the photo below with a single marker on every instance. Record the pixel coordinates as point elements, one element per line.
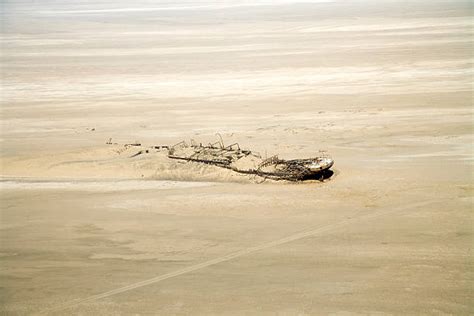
<point>384,86</point>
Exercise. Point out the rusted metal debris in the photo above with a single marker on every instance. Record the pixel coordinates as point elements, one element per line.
<point>229,157</point>
<point>233,157</point>
<point>245,161</point>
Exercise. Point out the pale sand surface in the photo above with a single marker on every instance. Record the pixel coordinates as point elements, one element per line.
<point>384,86</point>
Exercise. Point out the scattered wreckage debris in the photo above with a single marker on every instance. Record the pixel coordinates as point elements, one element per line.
<point>245,161</point>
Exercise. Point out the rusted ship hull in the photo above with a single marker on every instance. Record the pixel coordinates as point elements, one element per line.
<point>230,157</point>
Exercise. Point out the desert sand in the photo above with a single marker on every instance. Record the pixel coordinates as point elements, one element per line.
<point>384,87</point>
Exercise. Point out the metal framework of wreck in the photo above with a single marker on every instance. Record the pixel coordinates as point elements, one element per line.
<point>272,168</point>
<point>243,161</point>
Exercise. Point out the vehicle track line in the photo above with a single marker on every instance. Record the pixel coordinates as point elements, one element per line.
<point>240,253</point>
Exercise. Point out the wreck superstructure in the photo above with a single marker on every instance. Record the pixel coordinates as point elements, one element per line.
<point>243,161</point>
<point>247,162</point>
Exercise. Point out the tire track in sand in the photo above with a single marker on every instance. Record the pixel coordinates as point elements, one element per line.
<point>234,255</point>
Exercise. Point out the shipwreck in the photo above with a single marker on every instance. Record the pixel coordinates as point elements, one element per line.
<point>247,162</point>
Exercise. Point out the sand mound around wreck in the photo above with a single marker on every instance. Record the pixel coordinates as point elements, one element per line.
<point>247,163</point>
<point>117,161</point>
